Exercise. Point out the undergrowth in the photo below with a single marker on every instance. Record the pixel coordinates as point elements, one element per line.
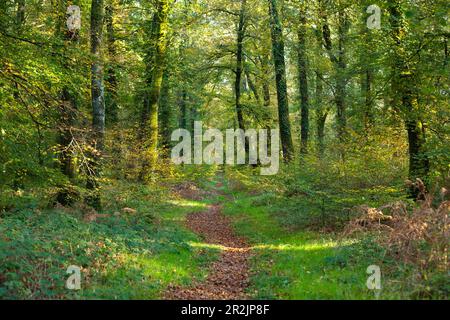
<point>123,254</point>
<point>303,200</point>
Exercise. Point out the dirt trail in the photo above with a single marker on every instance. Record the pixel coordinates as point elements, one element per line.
<point>228,277</point>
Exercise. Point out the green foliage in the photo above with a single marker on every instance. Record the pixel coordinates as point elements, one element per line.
<point>122,257</point>
<point>294,263</point>
<point>359,147</point>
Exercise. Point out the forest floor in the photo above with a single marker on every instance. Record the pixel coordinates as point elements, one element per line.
<point>264,261</point>
<point>216,235</point>
<point>228,277</point>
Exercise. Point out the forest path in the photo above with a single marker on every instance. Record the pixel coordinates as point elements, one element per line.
<point>228,277</point>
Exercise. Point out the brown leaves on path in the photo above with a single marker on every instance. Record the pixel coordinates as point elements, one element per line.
<point>228,277</point>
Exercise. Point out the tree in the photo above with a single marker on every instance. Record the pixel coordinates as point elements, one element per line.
<point>165,114</point>
<point>97,100</point>
<point>155,71</point>
<point>111,75</point>
<point>406,93</point>
<point>340,65</point>
<point>281,84</point>
<point>68,107</point>
<point>20,15</point>
<point>240,64</point>
<point>303,78</point>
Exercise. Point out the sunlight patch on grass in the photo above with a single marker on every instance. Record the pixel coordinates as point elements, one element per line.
<point>314,246</point>
<point>188,203</point>
<point>203,245</point>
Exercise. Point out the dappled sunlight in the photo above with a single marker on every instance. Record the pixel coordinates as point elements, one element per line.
<point>211,246</point>
<point>149,274</point>
<point>188,204</point>
<point>302,247</point>
<point>313,246</point>
<point>203,245</point>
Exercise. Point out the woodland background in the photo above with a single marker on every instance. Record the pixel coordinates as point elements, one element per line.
<point>86,118</point>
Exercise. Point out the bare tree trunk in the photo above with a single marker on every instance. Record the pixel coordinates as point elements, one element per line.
<point>252,85</point>
<point>367,74</point>
<point>182,102</point>
<point>368,98</point>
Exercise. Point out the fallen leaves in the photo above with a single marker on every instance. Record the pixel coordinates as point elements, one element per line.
<point>228,277</point>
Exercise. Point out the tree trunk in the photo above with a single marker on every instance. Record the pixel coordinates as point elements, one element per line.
<point>68,109</point>
<point>159,42</point>
<point>303,81</point>
<point>112,112</point>
<point>165,114</point>
<point>20,14</point>
<point>239,66</point>
<point>98,102</point>
<point>342,77</point>
<point>265,82</point>
<point>320,110</point>
<point>280,75</point>
<point>367,74</point>
<point>368,98</point>
<point>252,86</point>
<point>340,67</point>
<point>182,102</point>
<point>321,116</point>
<point>405,88</point>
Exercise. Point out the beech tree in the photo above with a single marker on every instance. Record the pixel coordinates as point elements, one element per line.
<point>98,102</point>
<point>155,71</point>
<point>405,91</point>
<point>281,84</point>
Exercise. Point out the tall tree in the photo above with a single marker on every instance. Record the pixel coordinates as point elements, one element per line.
<point>111,74</point>
<point>280,75</point>
<point>20,14</point>
<point>320,110</point>
<point>303,78</point>
<point>68,107</point>
<point>321,114</point>
<point>367,60</point>
<point>165,113</point>
<point>155,70</point>
<point>265,66</point>
<point>240,64</point>
<point>340,65</point>
<point>404,86</point>
<point>98,100</point>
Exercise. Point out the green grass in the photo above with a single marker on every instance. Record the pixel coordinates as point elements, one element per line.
<point>138,256</point>
<point>293,264</point>
<point>126,257</point>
